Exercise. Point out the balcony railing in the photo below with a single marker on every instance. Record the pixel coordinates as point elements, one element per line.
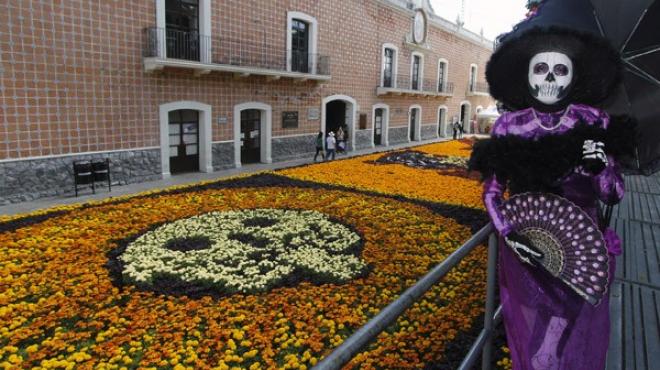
<point>447,88</point>
<point>478,88</point>
<point>172,44</point>
<point>175,44</point>
<point>405,84</point>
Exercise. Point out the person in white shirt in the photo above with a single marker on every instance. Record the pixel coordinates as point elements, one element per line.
<point>330,145</point>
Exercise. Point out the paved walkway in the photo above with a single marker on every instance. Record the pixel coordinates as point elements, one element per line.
<point>635,296</point>
<point>182,179</point>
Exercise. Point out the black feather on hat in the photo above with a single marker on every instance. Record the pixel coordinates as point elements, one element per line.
<point>565,26</point>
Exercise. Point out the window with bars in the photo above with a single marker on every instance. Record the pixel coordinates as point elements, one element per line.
<point>442,70</point>
<point>300,46</point>
<point>473,78</point>
<point>388,67</point>
<point>415,72</point>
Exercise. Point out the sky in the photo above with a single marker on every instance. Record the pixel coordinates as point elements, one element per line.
<point>494,16</point>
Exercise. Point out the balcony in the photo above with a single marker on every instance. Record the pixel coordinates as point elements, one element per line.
<point>405,85</point>
<point>206,54</point>
<point>478,89</point>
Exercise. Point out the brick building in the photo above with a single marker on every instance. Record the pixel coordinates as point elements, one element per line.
<point>168,86</point>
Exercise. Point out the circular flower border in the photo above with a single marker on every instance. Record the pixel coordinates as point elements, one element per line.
<point>241,251</point>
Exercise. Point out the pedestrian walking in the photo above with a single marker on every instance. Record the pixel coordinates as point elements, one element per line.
<point>319,146</point>
<point>330,145</point>
<point>341,140</point>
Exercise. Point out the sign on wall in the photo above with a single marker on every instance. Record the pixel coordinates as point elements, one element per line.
<point>313,114</point>
<point>290,119</point>
<point>222,120</point>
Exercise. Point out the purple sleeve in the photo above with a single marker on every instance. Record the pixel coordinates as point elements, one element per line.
<point>608,184</point>
<point>493,193</point>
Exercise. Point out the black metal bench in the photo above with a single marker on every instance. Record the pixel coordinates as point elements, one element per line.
<point>101,170</point>
<point>87,173</point>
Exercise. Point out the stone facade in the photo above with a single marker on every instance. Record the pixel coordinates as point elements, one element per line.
<point>35,178</point>
<point>285,148</point>
<point>429,132</point>
<point>398,135</point>
<point>69,91</point>
<point>363,139</point>
<point>222,155</point>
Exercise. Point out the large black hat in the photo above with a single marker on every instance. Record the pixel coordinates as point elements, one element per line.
<point>566,26</point>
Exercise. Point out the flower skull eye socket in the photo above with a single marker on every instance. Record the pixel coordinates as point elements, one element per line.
<point>541,68</point>
<point>560,70</point>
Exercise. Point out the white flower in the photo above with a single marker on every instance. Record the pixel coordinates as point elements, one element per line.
<point>245,251</point>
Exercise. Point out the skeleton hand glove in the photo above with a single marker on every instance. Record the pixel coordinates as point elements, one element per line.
<point>523,248</point>
<point>593,156</point>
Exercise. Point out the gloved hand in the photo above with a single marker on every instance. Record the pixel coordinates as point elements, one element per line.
<point>522,246</point>
<point>594,158</point>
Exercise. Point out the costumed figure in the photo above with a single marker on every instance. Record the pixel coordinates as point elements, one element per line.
<point>556,154</point>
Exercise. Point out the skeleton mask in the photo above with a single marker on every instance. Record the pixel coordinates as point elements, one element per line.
<point>550,75</point>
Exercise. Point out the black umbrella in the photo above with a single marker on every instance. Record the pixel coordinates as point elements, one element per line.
<point>633,27</point>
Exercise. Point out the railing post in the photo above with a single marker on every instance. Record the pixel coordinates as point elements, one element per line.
<point>161,40</point>
<point>490,301</point>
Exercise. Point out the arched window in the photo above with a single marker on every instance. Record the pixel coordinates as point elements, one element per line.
<point>443,66</point>
<point>389,66</point>
<point>416,71</point>
<point>301,42</point>
<point>473,78</point>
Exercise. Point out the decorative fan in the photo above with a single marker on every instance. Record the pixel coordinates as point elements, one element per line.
<point>573,247</point>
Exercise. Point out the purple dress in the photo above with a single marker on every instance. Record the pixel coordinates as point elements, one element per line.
<point>549,326</point>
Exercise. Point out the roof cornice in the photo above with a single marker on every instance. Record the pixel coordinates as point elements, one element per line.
<point>439,22</point>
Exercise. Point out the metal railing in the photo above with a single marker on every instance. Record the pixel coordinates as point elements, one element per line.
<point>162,42</point>
<point>367,333</point>
<point>254,53</point>
<point>446,88</point>
<point>478,87</point>
<point>406,82</point>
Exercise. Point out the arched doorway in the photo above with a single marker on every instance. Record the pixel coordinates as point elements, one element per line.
<point>464,117</point>
<point>442,121</point>
<point>380,124</point>
<point>183,132</point>
<point>414,123</point>
<point>339,111</point>
<point>335,116</point>
<point>185,137</point>
<point>252,133</point>
<point>250,136</point>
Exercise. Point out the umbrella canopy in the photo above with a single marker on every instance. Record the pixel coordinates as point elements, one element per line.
<point>632,26</point>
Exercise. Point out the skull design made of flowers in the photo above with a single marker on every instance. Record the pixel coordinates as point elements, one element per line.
<point>245,251</point>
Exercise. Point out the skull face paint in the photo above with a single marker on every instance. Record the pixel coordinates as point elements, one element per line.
<point>550,75</point>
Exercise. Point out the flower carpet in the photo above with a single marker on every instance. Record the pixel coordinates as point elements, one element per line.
<point>271,270</point>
